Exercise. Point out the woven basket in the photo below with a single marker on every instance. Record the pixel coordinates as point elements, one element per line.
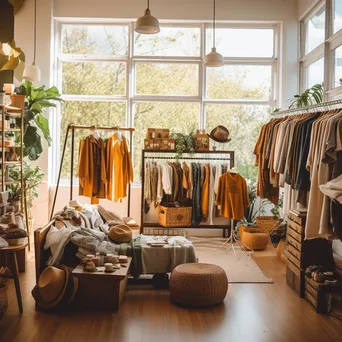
<point>175,217</point>
<point>267,223</point>
<point>18,101</point>
<point>254,238</point>
<point>198,285</point>
<point>3,301</point>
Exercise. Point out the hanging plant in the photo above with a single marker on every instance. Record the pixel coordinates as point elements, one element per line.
<point>184,143</point>
<point>10,56</point>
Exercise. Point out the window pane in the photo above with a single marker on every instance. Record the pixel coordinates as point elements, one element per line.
<point>338,16</point>
<point>338,67</point>
<point>242,121</point>
<point>170,41</point>
<point>239,82</point>
<point>315,73</point>
<point>315,31</point>
<point>178,117</point>
<point>167,79</point>
<point>94,78</point>
<point>88,113</point>
<point>232,42</point>
<point>95,40</point>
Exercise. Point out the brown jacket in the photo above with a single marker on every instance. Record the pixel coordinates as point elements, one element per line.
<point>92,169</point>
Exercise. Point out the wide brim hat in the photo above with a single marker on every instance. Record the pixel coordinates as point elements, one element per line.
<point>121,233</point>
<point>220,134</point>
<point>56,288</point>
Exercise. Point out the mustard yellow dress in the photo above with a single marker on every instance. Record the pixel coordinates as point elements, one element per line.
<point>119,168</point>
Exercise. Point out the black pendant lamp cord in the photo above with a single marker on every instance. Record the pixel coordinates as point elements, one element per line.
<point>35,32</point>
<point>148,4</point>
<point>214,24</point>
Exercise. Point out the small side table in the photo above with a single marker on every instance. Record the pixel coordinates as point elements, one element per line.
<point>100,290</point>
<point>11,252</point>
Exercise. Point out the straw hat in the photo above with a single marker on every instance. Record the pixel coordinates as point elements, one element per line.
<point>120,233</point>
<point>220,134</point>
<point>56,288</point>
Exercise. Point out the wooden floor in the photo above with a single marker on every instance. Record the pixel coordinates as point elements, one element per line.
<point>251,312</point>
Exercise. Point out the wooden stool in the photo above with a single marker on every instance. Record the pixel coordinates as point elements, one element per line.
<point>12,264</point>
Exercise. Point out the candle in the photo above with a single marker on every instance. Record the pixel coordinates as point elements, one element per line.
<point>9,88</point>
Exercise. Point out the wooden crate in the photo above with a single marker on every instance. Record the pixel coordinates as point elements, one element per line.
<point>158,133</point>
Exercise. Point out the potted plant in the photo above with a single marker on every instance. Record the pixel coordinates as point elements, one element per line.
<point>184,143</point>
<point>32,177</point>
<point>14,195</point>
<point>37,99</point>
<point>270,223</point>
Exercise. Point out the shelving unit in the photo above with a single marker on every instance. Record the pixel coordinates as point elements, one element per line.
<point>19,147</point>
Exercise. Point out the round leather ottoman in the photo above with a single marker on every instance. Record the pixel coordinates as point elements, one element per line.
<point>198,285</point>
<point>254,238</point>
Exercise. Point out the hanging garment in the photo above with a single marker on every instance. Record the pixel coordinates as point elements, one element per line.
<point>92,169</point>
<point>186,180</point>
<point>196,195</point>
<point>167,178</point>
<point>211,209</point>
<point>232,196</point>
<point>119,168</point>
<point>205,192</point>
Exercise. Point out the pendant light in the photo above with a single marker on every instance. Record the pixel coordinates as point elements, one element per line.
<point>32,72</point>
<point>147,24</point>
<point>213,59</point>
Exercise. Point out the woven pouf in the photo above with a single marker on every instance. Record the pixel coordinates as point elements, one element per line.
<point>198,285</point>
<point>254,238</point>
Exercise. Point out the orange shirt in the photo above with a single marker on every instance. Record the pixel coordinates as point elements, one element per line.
<point>232,196</point>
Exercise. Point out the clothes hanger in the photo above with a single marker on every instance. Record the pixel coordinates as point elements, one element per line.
<point>95,133</point>
<point>117,132</point>
<point>233,171</point>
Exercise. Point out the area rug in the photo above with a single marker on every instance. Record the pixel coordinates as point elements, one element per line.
<point>239,270</point>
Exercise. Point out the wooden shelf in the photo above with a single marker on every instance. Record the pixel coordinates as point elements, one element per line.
<point>10,130</point>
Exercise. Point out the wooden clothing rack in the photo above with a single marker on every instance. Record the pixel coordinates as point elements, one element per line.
<point>71,128</point>
<point>309,109</point>
<point>171,155</point>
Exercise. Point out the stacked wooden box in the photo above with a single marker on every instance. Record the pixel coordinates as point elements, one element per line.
<point>159,139</point>
<point>302,253</point>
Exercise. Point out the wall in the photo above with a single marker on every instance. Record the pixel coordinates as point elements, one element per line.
<point>6,35</point>
<point>304,6</point>
<point>283,11</point>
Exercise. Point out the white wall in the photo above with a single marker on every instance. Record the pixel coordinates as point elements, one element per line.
<point>304,6</point>
<point>282,11</point>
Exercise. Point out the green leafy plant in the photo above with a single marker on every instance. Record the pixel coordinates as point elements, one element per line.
<point>14,192</point>
<point>185,143</point>
<point>251,213</point>
<point>10,56</point>
<point>32,177</point>
<point>309,97</point>
<point>37,99</point>
<point>276,209</point>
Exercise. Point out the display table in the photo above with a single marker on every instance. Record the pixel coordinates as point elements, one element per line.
<point>10,253</point>
<point>101,290</point>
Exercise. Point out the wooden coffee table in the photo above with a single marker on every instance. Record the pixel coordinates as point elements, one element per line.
<point>101,290</point>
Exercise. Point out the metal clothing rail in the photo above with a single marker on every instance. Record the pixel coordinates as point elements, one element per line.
<point>309,109</point>
<point>153,154</point>
<point>72,127</point>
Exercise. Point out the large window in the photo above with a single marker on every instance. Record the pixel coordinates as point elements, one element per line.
<point>110,75</point>
<point>321,48</point>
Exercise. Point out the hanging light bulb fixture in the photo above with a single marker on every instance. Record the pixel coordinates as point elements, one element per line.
<point>213,59</point>
<point>147,24</point>
<point>32,72</point>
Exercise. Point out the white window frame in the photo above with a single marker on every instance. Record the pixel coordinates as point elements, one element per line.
<point>131,60</point>
<point>326,50</point>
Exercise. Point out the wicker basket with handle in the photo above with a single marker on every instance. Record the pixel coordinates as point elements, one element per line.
<point>267,223</point>
<point>18,101</point>
<point>175,217</point>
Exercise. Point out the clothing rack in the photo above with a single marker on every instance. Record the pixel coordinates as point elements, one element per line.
<point>309,109</point>
<point>171,155</point>
<point>71,128</point>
